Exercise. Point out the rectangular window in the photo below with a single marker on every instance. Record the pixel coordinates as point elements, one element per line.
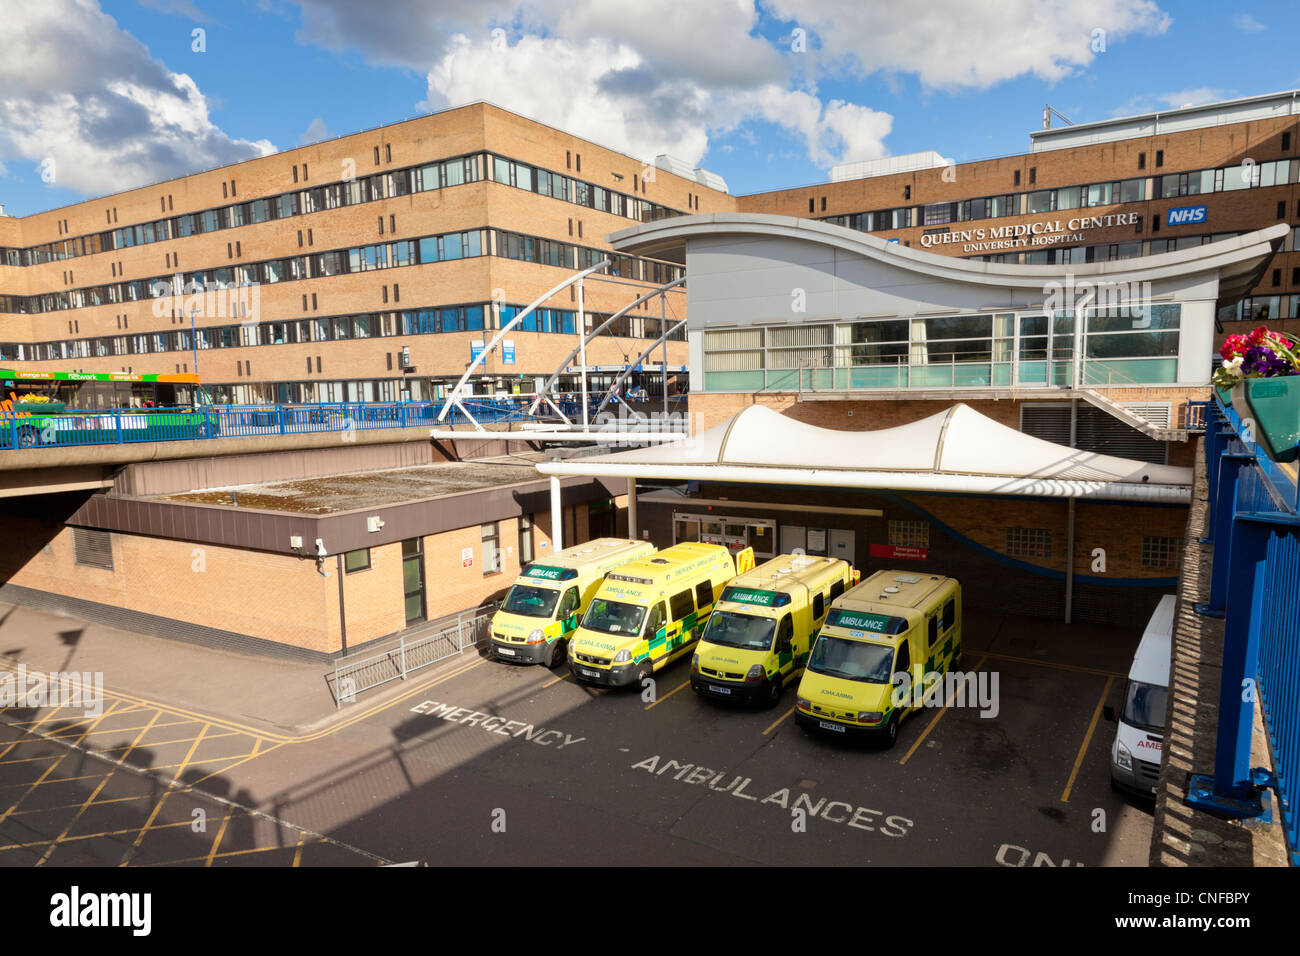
<point>356,560</point>
<point>525,540</point>
<point>93,549</point>
<point>1160,552</point>
<point>681,604</point>
<point>909,534</point>
<point>490,550</point>
<point>1029,542</point>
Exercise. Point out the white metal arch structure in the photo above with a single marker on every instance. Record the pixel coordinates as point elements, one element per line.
<point>454,396</point>
<point>544,394</point>
<point>613,388</point>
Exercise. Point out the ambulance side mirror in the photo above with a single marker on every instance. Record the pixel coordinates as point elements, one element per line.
<point>1109,713</point>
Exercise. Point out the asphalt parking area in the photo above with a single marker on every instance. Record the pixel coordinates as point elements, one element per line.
<point>481,762</point>
<point>535,768</point>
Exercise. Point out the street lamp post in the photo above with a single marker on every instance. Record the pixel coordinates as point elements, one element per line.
<point>194,341</point>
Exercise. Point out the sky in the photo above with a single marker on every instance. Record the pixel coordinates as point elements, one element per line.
<point>98,96</point>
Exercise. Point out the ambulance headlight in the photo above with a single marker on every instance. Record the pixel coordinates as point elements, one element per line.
<point>870,717</point>
<point>695,662</point>
<point>1123,758</point>
<point>535,636</point>
<point>803,703</point>
<point>755,673</point>
<point>622,657</point>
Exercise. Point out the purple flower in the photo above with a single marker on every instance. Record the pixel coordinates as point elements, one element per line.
<point>1265,362</point>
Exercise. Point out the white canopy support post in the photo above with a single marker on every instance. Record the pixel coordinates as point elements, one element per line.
<point>632,531</point>
<point>639,359</point>
<point>543,394</point>
<point>557,516</point>
<point>582,331</point>
<point>454,397</point>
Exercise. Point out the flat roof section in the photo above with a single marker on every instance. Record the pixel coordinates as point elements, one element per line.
<point>371,489</point>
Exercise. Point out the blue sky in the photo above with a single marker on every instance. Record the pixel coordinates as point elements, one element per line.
<point>103,95</point>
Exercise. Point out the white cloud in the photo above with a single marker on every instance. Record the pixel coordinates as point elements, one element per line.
<point>1154,102</point>
<point>80,91</point>
<point>315,132</point>
<point>958,44</point>
<point>669,76</point>
<point>1248,24</point>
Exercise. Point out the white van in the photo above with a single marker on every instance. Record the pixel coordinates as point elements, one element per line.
<point>1140,735</point>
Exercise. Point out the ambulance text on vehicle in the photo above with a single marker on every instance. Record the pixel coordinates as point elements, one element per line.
<point>883,643</point>
<point>542,608</point>
<point>651,611</point>
<point>762,628</point>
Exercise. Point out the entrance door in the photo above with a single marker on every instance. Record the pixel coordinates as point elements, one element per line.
<point>1033,350</point>
<point>413,580</point>
<point>793,538</point>
<point>842,545</point>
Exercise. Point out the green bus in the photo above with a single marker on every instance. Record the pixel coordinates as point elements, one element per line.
<point>96,408</point>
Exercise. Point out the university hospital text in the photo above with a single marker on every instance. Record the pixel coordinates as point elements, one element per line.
<point>1048,233</point>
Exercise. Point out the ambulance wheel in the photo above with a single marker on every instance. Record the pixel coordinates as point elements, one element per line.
<point>644,671</point>
<point>556,654</point>
<point>889,736</point>
<point>772,696</point>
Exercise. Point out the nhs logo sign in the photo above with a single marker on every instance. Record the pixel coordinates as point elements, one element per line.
<point>1186,216</point>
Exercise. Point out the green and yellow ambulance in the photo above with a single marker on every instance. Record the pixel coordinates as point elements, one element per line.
<point>762,628</point>
<point>544,605</point>
<point>651,611</point>
<point>882,646</point>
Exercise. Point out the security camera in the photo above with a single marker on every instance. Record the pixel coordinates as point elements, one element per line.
<point>320,547</point>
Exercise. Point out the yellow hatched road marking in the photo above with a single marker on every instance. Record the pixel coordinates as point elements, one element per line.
<point>225,822</point>
<point>1087,739</point>
<point>91,799</point>
<point>943,710</point>
<point>91,836</point>
<point>51,768</point>
<point>297,853</point>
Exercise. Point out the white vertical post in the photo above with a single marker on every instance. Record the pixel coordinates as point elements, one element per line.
<point>582,331</point>
<point>557,516</point>
<point>632,531</point>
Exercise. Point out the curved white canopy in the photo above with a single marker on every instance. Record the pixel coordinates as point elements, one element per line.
<point>958,450</point>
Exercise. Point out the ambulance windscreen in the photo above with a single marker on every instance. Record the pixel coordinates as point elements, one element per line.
<point>613,617</point>
<point>529,601</point>
<point>742,631</point>
<point>852,660</point>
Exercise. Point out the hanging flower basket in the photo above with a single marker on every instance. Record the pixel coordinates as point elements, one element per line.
<point>1273,404</point>
<point>1262,370</point>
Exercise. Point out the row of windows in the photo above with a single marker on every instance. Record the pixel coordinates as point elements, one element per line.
<point>350,192</point>
<point>955,339</point>
<point>1157,552</point>
<point>1116,192</point>
<point>1103,252</point>
<point>441,248</point>
<point>456,318</point>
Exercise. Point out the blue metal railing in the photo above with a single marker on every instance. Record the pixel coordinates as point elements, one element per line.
<point>135,425</point>
<point>1254,524</point>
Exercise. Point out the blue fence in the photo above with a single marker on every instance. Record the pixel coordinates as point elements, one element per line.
<point>123,426</point>
<point>1255,587</point>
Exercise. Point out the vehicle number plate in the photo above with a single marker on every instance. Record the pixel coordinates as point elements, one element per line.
<point>827,725</point>
<point>719,690</point>
<point>586,673</point>
<point>507,651</point>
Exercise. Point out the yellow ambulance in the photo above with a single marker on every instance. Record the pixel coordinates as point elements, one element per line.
<point>544,605</point>
<point>651,611</point>
<point>880,649</point>
<point>763,627</point>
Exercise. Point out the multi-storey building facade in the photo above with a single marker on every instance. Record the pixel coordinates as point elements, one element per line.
<point>305,274</point>
<point>1096,192</point>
